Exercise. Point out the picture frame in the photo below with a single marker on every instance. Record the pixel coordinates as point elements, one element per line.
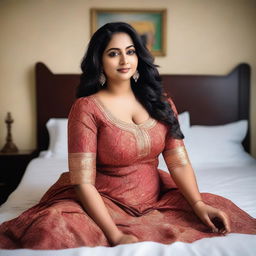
<point>150,24</point>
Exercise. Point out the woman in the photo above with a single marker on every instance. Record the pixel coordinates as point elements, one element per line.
<point>113,193</point>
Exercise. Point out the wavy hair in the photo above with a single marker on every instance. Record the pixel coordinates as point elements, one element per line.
<point>148,89</point>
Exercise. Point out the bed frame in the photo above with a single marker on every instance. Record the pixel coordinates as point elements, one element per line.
<point>210,99</point>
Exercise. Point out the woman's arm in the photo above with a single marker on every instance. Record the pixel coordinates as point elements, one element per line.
<point>96,209</point>
<point>185,179</point>
<point>82,153</point>
<point>177,161</point>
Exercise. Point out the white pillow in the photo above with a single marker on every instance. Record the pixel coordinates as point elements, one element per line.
<point>217,144</point>
<point>57,129</point>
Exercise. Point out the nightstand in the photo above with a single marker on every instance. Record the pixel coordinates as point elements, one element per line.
<point>12,167</point>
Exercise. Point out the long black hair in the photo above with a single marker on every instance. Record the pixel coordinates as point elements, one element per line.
<point>148,89</point>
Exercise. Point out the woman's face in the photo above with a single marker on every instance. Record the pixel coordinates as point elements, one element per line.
<point>119,59</point>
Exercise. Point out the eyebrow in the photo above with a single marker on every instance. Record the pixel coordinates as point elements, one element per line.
<point>119,48</point>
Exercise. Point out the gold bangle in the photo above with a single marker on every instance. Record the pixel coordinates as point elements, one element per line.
<point>196,202</point>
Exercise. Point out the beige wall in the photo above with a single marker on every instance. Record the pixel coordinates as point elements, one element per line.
<point>204,37</point>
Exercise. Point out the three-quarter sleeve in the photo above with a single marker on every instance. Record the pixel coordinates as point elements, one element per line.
<point>174,153</point>
<point>82,143</point>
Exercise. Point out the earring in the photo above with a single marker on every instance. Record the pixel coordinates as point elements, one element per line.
<point>102,79</point>
<point>136,76</point>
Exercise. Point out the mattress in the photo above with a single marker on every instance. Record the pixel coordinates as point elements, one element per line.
<point>235,181</point>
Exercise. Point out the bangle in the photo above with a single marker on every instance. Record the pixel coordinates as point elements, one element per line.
<point>196,202</point>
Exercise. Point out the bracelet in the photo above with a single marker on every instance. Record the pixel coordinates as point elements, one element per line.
<point>196,202</point>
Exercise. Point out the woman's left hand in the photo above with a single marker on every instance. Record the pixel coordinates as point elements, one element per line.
<point>209,214</point>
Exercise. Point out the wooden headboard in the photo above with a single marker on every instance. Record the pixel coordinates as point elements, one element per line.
<point>210,99</point>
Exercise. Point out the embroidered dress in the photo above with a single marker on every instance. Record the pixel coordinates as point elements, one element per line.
<point>120,159</point>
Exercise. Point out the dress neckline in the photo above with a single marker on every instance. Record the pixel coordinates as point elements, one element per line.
<point>108,114</point>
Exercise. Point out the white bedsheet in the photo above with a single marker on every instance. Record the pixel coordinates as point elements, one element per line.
<point>234,181</point>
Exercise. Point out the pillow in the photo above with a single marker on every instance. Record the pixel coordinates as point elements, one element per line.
<point>217,144</point>
<point>57,129</point>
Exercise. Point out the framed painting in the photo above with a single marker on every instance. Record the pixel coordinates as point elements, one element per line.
<point>150,24</point>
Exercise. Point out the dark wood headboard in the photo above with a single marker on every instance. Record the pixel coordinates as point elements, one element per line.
<point>210,99</point>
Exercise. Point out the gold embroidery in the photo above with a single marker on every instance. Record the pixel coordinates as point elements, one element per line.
<point>143,142</point>
<point>176,157</point>
<point>149,123</point>
<point>82,167</point>
<point>138,130</point>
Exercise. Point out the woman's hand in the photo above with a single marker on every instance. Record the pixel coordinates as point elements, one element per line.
<point>125,239</point>
<point>216,219</point>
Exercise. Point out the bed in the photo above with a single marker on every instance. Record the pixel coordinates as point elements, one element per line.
<point>214,116</point>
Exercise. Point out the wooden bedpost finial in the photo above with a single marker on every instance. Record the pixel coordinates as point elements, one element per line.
<point>9,146</point>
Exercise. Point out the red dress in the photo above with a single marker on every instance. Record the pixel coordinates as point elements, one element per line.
<point>121,160</point>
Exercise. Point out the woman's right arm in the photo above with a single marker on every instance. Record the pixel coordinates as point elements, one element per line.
<point>96,209</point>
<point>82,148</point>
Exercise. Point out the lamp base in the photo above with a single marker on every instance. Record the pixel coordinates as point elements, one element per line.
<point>9,147</point>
